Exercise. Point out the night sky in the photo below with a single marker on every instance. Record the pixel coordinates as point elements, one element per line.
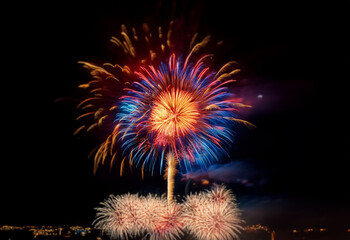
<point>291,171</point>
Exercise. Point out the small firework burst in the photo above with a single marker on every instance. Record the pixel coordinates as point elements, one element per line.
<point>120,216</point>
<point>213,215</point>
<point>152,208</point>
<point>170,224</point>
<point>221,195</point>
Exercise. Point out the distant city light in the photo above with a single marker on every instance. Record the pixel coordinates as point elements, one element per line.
<point>65,231</point>
<point>260,96</point>
<point>257,227</point>
<point>311,230</point>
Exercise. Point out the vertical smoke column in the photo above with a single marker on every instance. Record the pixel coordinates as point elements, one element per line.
<point>170,175</point>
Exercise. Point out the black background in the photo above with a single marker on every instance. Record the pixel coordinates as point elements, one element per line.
<point>294,53</point>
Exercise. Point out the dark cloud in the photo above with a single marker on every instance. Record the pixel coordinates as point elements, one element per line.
<point>237,172</point>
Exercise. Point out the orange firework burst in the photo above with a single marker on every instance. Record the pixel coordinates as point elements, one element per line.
<point>175,114</point>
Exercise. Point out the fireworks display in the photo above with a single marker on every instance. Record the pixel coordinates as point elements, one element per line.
<point>211,215</point>
<point>173,108</point>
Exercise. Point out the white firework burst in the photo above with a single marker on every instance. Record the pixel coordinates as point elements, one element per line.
<point>213,215</point>
<point>120,216</point>
<point>170,223</point>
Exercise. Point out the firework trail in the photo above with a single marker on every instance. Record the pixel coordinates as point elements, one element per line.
<point>170,175</point>
<point>173,108</point>
<point>213,215</point>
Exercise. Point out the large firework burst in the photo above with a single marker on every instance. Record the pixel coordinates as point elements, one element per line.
<point>173,107</point>
<point>178,108</point>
